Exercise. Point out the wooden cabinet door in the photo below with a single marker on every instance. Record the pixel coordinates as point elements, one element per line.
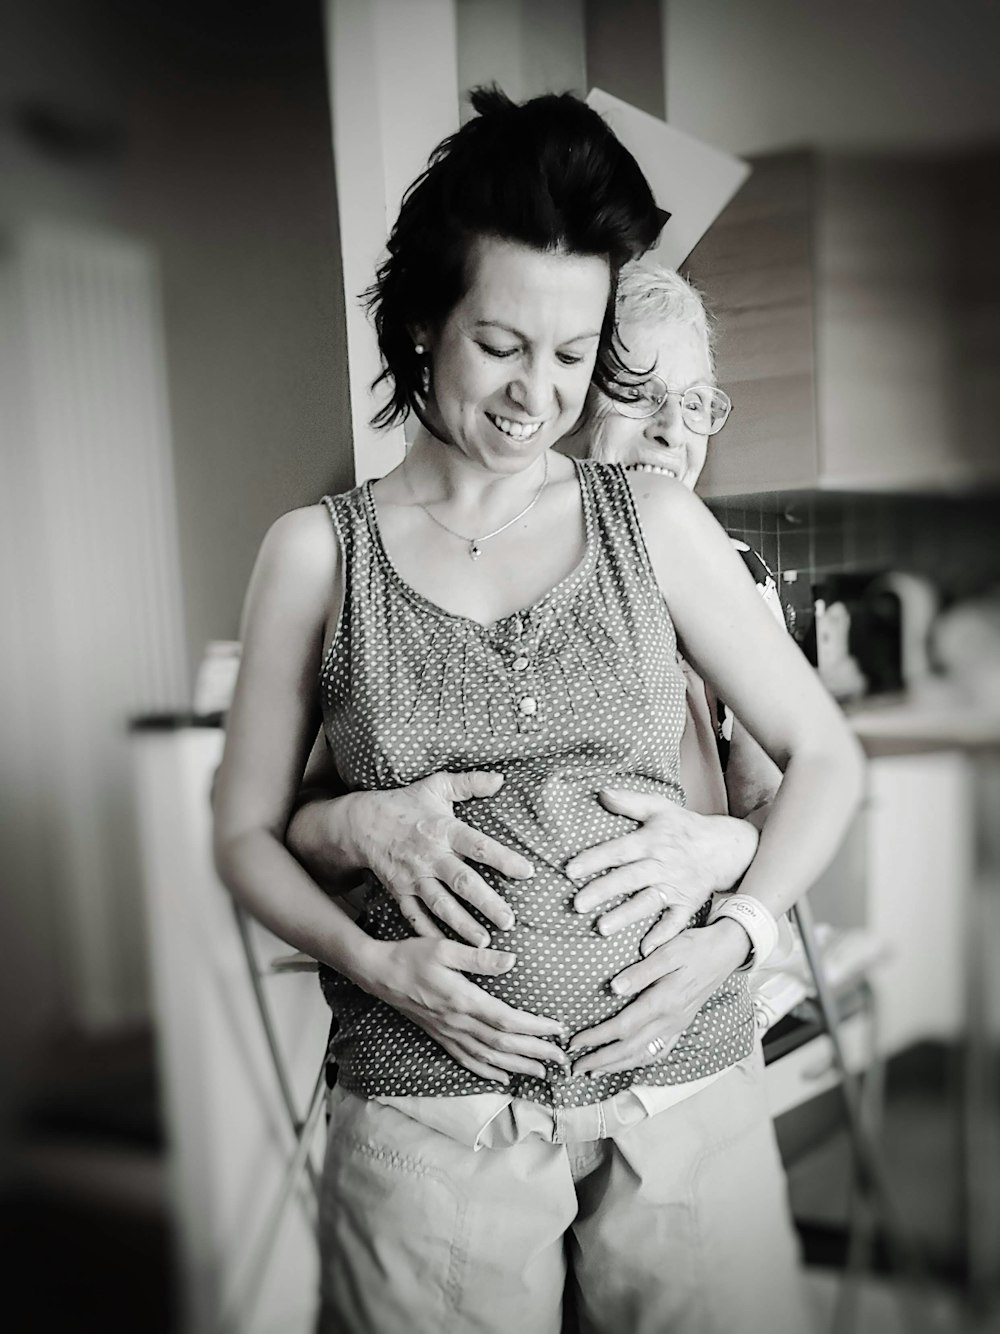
<point>857,302</point>
<point>755,268</point>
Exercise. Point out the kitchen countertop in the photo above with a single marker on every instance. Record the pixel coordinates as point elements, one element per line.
<point>936,719</point>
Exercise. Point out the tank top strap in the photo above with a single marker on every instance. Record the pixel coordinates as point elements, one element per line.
<point>619,532</point>
<point>350,515</point>
<point>347,517</point>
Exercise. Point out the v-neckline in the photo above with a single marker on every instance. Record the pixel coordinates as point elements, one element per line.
<point>562,587</point>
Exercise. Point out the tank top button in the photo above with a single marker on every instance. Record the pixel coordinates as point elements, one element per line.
<point>528,705</point>
<point>519,664</point>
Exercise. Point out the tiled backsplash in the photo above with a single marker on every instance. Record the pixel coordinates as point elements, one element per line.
<point>954,541</point>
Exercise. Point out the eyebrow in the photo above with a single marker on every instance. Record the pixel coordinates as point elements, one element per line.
<point>516,333</point>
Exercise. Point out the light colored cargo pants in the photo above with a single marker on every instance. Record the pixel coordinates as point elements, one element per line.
<point>677,1224</point>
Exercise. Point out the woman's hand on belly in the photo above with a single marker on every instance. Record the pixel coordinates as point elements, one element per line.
<point>669,866</point>
<point>413,842</point>
<point>670,986</point>
<point>425,980</point>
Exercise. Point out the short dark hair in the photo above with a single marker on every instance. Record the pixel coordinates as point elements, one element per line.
<point>548,173</point>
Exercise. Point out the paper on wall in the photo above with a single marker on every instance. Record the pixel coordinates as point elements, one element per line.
<point>690,180</point>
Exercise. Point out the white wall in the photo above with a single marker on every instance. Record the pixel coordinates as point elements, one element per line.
<point>226,168</point>
<point>526,47</point>
<point>754,75</point>
<point>393,96</point>
<point>232,179</point>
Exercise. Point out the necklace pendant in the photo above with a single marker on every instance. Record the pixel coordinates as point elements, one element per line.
<point>475,550</point>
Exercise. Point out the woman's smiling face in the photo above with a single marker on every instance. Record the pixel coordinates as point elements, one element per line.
<point>512,363</point>
<point>678,353</point>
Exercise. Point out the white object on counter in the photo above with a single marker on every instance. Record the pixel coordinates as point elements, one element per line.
<point>838,669</point>
<point>967,644</point>
<point>216,679</point>
<point>918,604</point>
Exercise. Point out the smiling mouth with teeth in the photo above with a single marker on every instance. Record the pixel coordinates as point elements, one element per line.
<point>516,430</point>
<point>655,467</point>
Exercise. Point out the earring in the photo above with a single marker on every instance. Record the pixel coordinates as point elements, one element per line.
<point>425,369</point>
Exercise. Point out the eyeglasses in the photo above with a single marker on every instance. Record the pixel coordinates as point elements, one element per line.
<point>704,408</point>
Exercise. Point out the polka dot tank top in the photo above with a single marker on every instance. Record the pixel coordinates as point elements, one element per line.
<point>580,691</point>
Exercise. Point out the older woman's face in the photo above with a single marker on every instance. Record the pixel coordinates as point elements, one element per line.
<point>512,363</point>
<point>663,443</point>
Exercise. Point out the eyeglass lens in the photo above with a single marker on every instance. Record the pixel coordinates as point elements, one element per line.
<point>703,407</point>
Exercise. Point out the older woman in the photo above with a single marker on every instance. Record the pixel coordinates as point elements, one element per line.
<point>495,607</point>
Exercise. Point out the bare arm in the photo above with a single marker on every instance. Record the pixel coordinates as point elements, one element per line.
<point>778,697</point>
<point>325,857</point>
<point>768,684</point>
<point>270,728</point>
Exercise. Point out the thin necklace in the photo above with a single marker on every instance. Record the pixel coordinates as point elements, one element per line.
<point>474,544</point>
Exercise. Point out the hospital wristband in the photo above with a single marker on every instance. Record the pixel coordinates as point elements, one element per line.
<point>756,920</point>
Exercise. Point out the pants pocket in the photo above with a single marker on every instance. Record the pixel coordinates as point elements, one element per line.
<point>392,1226</point>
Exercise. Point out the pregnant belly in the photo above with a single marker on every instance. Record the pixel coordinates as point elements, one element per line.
<point>563,967</point>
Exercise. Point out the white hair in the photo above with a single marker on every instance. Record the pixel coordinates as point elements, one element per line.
<point>652,298</point>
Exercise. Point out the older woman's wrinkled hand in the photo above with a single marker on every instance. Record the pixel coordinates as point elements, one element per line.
<point>668,866</point>
<point>425,980</point>
<point>411,839</point>
<point>669,987</point>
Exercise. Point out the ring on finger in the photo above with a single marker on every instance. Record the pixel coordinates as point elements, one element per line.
<point>661,894</point>
<point>655,1046</point>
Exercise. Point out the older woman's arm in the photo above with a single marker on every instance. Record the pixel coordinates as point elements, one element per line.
<point>773,690</point>
<point>678,856</point>
<point>414,841</point>
<point>410,839</point>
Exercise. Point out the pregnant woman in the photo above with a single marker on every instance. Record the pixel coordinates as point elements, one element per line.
<point>493,606</point>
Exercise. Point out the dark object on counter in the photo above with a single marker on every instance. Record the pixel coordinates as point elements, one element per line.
<point>876,632</point>
<point>174,722</point>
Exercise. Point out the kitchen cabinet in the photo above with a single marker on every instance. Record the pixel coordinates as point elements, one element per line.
<point>905,872</point>
<point>934,891</point>
<point>858,303</point>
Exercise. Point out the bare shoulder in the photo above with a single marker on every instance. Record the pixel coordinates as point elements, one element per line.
<point>301,545</point>
<point>670,514</point>
<point>655,492</point>
<point>297,568</point>
<point>301,535</point>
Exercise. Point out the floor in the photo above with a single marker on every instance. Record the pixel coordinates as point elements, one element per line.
<point>877,1309</point>
<point>88,1216</point>
<point>90,1213</point>
<point>922,1144</point>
